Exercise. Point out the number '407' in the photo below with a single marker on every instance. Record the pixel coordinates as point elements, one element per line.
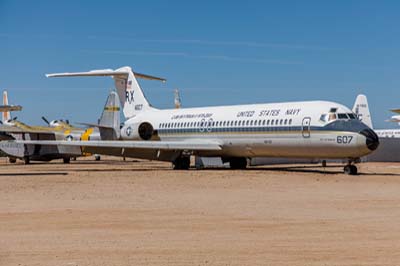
<point>344,139</point>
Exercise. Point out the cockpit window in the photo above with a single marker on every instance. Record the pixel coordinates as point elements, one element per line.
<point>352,116</point>
<point>324,118</point>
<point>343,116</point>
<point>332,116</point>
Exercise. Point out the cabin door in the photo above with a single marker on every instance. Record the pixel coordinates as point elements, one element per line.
<point>305,127</point>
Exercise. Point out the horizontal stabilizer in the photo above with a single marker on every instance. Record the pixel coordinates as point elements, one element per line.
<point>8,108</point>
<point>397,111</point>
<point>105,72</point>
<point>94,125</point>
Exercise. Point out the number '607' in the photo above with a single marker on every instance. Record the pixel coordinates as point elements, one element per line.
<point>344,139</point>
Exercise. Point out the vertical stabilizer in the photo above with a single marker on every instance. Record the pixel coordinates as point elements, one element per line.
<point>361,109</point>
<point>6,115</point>
<point>177,99</point>
<point>109,122</point>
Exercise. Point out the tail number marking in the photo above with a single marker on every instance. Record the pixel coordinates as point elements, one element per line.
<point>129,96</point>
<point>344,139</point>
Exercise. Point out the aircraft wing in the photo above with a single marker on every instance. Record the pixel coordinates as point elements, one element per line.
<point>156,145</point>
<point>14,129</point>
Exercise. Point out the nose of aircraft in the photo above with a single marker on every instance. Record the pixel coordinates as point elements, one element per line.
<point>372,140</point>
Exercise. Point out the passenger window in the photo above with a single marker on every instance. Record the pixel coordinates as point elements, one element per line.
<point>281,122</point>
<point>285,122</point>
<point>272,122</point>
<point>290,121</point>
<point>263,122</point>
<point>247,122</point>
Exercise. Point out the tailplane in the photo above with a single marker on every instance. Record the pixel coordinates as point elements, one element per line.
<point>361,109</point>
<point>130,94</point>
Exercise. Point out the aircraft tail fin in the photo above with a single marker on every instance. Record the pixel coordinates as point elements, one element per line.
<point>131,95</point>
<point>7,114</point>
<point>109,122</point>
<point>177,99</point>
<point>361,109</point>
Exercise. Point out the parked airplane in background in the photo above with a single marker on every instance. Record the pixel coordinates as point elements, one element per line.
<point>361,108</point>
<point>6,108</point>
<point>57,130</point>
<point>312,129</point>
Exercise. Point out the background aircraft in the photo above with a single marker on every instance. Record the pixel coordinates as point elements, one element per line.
<point>315,129</point>
<point>58,130</point>
<point>361,108</point>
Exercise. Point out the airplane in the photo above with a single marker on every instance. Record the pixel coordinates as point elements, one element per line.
<point>13,129</point>
<point>361,108</point>
<point>395,118</point>
<point>309,129</point>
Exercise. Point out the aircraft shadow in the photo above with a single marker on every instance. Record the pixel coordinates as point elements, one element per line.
<point>34,174</point>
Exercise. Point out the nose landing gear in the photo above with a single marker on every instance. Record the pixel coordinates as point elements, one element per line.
<point>350,169</point>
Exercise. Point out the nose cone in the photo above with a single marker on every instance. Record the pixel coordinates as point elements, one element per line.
<point>372,140</point>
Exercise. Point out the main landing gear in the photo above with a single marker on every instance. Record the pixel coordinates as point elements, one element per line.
<point>238,163</point>
<point>182,163</point>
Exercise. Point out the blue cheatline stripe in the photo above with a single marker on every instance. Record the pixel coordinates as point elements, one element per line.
<point>294,129</point>
<point>233,130</point>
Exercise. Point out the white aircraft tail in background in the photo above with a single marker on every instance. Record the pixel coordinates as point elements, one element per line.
<point>6,115</point>
<point>6,108</point>
<point>177,99</point>
<point>361,109</point>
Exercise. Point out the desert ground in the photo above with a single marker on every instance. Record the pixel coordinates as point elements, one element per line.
<point>143,213</point>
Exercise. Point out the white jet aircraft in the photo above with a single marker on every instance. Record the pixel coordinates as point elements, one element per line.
<point>311,129</point>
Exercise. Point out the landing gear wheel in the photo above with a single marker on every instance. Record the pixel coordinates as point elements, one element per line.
<point>238,163</point>
<point>350,170</point>
<point>12,160</point>
<point>97,157</point>
<point>182,163</point>
<point>26,160</point>
<point>66,160</point>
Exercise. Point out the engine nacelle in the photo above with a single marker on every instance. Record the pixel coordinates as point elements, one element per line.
<point>138,131</point>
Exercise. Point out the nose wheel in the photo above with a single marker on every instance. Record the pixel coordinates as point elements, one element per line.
<point>350,169</point>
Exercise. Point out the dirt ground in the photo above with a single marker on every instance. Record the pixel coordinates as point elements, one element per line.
<point>144,213</point>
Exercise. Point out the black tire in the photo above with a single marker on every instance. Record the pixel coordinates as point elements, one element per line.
<point>182,163</point>
<point>350,170</point>
<point>238,163</point>
<point>12,160</point>
<point>66,160</point>
<point>26,160</point>
<point>97,157</point>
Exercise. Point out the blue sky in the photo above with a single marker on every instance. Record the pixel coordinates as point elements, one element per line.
<point>215,52</point>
